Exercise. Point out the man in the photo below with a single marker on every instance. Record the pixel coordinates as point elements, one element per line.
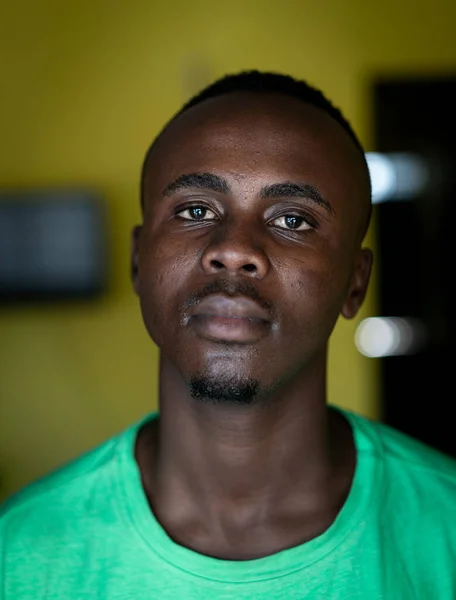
<point>256,199</point>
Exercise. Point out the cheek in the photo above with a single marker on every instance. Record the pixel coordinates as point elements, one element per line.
<point>308,276</point>
<point>163,271</point>
<point>316,292</point>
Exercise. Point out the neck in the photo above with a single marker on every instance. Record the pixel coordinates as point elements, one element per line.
<point>284,456</point>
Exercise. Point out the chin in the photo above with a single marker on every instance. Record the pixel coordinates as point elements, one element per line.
<point>224,389</point>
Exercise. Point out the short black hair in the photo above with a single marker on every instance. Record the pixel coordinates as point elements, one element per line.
<point>272,83</point>
<point>263,82</point>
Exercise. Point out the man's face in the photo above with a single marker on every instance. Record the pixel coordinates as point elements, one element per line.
<point>250,247</point>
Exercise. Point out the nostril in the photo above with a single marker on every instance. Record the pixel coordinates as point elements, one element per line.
<point>249,268</point>
<point>217,264</point>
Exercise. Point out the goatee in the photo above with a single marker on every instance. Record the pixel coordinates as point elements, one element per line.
<point>229,390</point>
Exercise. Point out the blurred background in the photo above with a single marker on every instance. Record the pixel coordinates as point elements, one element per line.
<point>86,86</point>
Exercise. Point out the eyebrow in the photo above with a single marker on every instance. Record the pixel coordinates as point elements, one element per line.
<point>202,181</point>
<point>290,189</point>
<point>286,189</point>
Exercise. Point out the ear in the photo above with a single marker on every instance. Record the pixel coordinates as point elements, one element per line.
<point>134,255</point>
<point>358,283</point>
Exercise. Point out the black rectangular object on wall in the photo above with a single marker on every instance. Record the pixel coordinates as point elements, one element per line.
<point>52,245</point>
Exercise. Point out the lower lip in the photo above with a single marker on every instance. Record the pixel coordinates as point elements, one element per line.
<point>230,329</point>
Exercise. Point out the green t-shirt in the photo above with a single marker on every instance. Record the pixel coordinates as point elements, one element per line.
<point>86,531</point>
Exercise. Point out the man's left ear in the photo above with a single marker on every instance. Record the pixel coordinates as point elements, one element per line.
<point>358,284</point>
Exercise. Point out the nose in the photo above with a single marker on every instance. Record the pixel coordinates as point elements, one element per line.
<point>234,252</point>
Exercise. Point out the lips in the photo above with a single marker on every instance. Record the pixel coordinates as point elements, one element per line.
<point>229,318</point>
<point>240,307</point>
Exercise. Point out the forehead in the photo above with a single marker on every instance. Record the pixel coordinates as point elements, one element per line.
<point>253,137</point>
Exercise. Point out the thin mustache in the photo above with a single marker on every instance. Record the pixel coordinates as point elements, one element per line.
<point>230,288</point>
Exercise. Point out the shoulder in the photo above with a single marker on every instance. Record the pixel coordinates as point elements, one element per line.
<point>76,488</point>
<point>47,493</point>
<point>415,476</point>
<point>414,513</point>
<point>403,452</point>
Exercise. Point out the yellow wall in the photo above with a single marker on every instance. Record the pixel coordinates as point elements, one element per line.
<point>84,88</point>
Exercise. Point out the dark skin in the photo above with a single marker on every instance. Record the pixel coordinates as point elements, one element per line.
<point>262,200</point>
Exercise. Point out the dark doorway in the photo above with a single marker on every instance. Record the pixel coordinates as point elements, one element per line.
<point>417,256</point>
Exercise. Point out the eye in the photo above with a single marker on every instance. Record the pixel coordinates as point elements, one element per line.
<point>196,213</point>
<point>292,222</point>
